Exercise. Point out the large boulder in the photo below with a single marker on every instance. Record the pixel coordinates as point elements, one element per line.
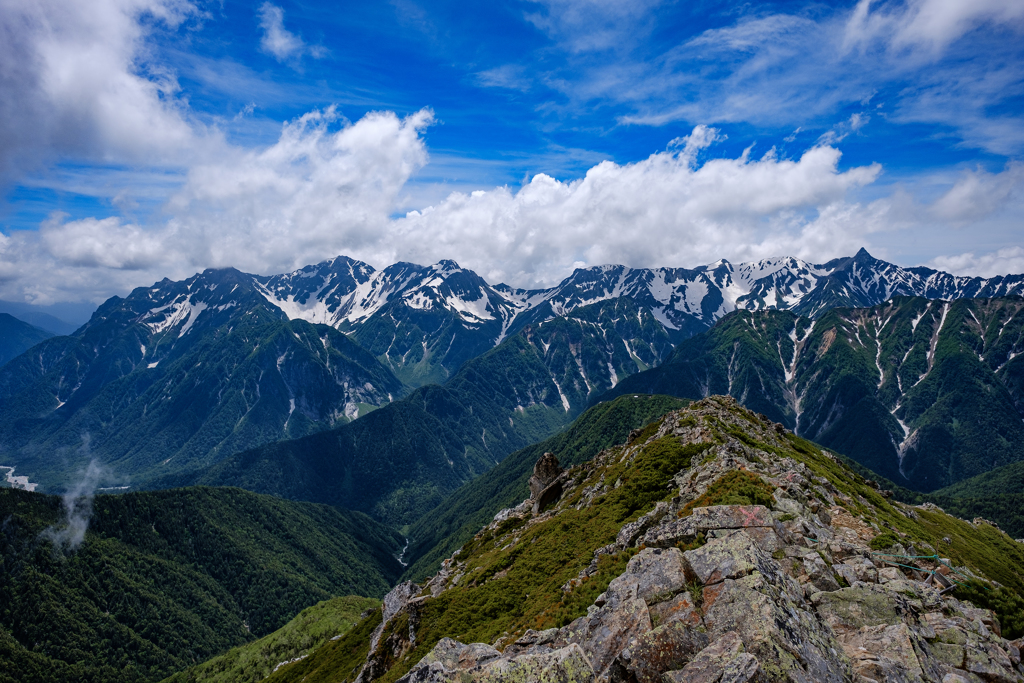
<point>728,557</point>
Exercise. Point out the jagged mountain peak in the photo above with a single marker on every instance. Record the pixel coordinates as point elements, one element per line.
<point>425,321</point>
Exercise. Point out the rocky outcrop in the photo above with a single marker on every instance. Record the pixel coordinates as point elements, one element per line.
<point>785,591</point>
<point>546,482</point>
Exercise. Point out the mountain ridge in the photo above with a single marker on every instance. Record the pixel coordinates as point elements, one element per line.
<point>924,392</point>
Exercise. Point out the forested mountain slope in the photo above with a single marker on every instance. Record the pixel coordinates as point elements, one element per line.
<point>400,461</point>
<point>253,662</point>
<point>162,580</point>
<point>175,377</point>
<point>925,393</point>
<point>17,336</point>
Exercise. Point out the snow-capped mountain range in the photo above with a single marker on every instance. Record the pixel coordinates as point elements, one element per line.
<point>424,322</point>
<point>345,293</point>
<point>458,315</point>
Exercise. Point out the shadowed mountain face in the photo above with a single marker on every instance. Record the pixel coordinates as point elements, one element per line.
<point>925,393</point>
<point>400,461</point>
<point>176,376</point>
<point>17,337</point>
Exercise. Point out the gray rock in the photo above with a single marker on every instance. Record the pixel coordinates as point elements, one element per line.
<point>707,665</point>
<point>532,642</point>
<point>666,648</point>
<point>732,517</point>
<point>659,574</point>
<point>566,665</point>
<point>769,617</point>
<point>730,557</point>
<point>863,568</point>
<point>607,631</point>
<point>394,602</point>
<point>454,662</point>
<point>670,532</point>
<point>744,667</point>
<point>679,608</point>
<point>631,532</point>
<point>846,573</point>
<point>820,574</point>
<point>546,482</point>
<point>852,608</point>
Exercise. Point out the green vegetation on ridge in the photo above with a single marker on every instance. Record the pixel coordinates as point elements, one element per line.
<point>438,534</point>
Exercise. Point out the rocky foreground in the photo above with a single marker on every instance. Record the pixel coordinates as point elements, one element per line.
<point>816,581</point>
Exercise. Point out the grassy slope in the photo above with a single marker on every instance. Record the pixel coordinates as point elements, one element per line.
<point>438,534</point>
<point>253,662</point>
<point>546,555</point>
<point>168,579</point>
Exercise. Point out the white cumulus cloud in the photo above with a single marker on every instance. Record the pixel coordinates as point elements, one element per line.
<point>999,262</point>
<point>78,79</point>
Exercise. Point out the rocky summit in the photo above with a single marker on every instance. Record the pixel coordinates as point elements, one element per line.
<point>714,546</point>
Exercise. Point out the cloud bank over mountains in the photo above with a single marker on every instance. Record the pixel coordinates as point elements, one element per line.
<point>323,190</point>
<point>85,82</point>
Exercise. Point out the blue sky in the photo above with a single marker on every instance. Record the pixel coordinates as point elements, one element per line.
<point>152,138</point>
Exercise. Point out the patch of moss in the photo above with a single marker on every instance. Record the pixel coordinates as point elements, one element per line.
<point>884,540</point>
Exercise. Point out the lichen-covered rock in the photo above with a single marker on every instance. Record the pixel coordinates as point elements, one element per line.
<point>852,608</point>
<point>659,574</point>
<point>744,667</point>
<point>565,665</point>
<point>670,532</point>
<point>820,573</point>
<point>729,557</point>
<point>663,649</point>
<point>708,664</point>
<point>454,662</point>
<point>608,630</point>
<point>532,641</point>
<point>767,611</point>
<point>678,608</point>
<point>732,517</point>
